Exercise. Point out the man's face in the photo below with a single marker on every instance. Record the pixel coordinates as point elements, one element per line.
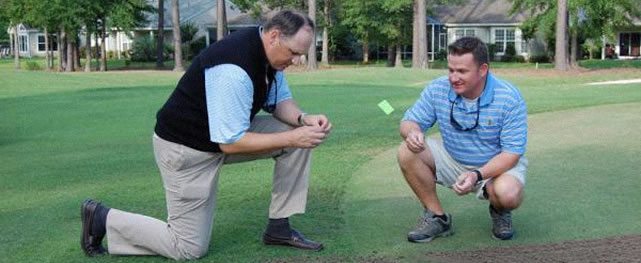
<point>283,52</point>
<point>465,76</point>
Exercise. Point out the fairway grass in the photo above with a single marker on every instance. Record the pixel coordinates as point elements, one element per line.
<point>68,136</point>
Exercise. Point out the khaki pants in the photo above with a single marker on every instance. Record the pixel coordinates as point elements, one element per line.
<point>190,181</point>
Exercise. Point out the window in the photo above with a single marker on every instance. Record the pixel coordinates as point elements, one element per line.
<point>53,43</point>
<point>24,43</point>
<point>503,38</point>
<point>629,44</point>
<point>459,33</point>
<point>442,41</point>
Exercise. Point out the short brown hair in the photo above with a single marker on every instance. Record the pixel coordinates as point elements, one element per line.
<point>472,45</point>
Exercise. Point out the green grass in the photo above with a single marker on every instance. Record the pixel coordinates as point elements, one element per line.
<point>68,136</point>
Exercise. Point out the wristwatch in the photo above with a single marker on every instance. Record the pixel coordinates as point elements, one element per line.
<point>301,119</point>
<point>479,176</point>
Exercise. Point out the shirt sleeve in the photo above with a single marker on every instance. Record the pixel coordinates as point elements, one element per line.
<point>229,94</point>
<point>279,91</point>
<point>513,136</point>
<point>423,111</point>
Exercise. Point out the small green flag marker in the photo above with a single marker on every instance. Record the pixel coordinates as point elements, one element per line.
<point>386,107</point>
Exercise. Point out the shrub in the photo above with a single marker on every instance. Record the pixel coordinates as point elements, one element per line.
<point>510,53</point>
<point>143,50</point>
<point>539,59</point>
<point>441,55</point>
<point>491,52</point>
<point>32,65</point>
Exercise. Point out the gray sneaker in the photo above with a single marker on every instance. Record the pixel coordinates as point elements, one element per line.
<point>501,224</point>
<point>430,227</point>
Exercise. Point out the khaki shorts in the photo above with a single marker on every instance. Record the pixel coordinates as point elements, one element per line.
<point>448,169</point>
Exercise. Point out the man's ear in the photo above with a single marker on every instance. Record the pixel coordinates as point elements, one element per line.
<point>484,68</point>
<point>272,36</point>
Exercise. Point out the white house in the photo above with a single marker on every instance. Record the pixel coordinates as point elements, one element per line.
<point>31,41</point>
<point>488,20</point>
<point>628,41</point>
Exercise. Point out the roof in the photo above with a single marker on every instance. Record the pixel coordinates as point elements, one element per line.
<point>479,12</point>
<point>200,13</point>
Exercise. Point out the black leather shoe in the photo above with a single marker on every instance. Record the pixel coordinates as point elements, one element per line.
<point>296,240</point>
<point>89,242</point>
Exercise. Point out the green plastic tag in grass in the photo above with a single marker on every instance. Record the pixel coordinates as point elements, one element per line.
<point>386,107</point>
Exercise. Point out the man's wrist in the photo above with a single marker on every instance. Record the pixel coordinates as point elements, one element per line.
<point>479,175</point>
<point>301,119</point>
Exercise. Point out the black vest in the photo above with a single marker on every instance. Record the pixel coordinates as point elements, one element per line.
<point>183,118</point>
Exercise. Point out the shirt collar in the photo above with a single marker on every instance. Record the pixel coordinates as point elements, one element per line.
<point>486,97</point>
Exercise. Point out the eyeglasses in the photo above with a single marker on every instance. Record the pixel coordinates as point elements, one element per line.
<point>457,125</point>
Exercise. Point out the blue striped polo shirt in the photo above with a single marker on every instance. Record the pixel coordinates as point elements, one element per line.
<point>229,93</point>
<point>502,124</point>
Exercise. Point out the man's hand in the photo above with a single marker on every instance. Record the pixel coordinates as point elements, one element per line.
<point>415,141</point>
<point>318,121</point>
<point>307,136</point>
<point>465,183</point>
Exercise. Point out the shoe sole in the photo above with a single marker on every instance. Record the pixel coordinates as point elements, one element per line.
<point>503,239</point>
<point>275,242</point>
<point>86,224</point>
<point>427,240</point>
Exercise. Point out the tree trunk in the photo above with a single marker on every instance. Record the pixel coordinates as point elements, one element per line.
<point>88,50</point>
<point>399,56</point>
<point>221,20</point>
<point>16,47</point>
<point>175,20</point>
<point>422,34</point>
<point>365,51</point>
<point>76,54</point>
<point>103,47</point>
<point>98,46</point>
<point>415,59</point>
<point>70,48</point>
<point>390,55</point>
<point>61,45</point>
<point>574,49</point>
<point>325,48</point>
<point>47,56</point>
<point>160,40</point>
<point>312,64</point>
<point>561,52</point>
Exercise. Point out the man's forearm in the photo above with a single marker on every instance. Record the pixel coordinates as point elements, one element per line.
<point>500,164</point>
<point>257,143</point>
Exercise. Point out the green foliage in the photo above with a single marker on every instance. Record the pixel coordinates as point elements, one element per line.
<point>33,65</point>
<point>540,59</point>
<point>144,50</point>
<point>491,51</point>
<point>510,53</point>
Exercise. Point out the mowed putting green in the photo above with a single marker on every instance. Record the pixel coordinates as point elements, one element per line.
<point>582,184</point>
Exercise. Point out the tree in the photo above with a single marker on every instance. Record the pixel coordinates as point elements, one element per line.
<point>175,20</point>
<point>14,10</point>
<point>311,54</point>
<point>561,51</point>
<point>364,18</point>
<point>421,32</point>
<point>160,35</point>
<point>221,19</point>
<point>326,25</point>
<point>395,30</point>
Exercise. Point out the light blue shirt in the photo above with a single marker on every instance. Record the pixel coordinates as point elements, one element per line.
<point>230,93</point>
<point>502,125</point>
